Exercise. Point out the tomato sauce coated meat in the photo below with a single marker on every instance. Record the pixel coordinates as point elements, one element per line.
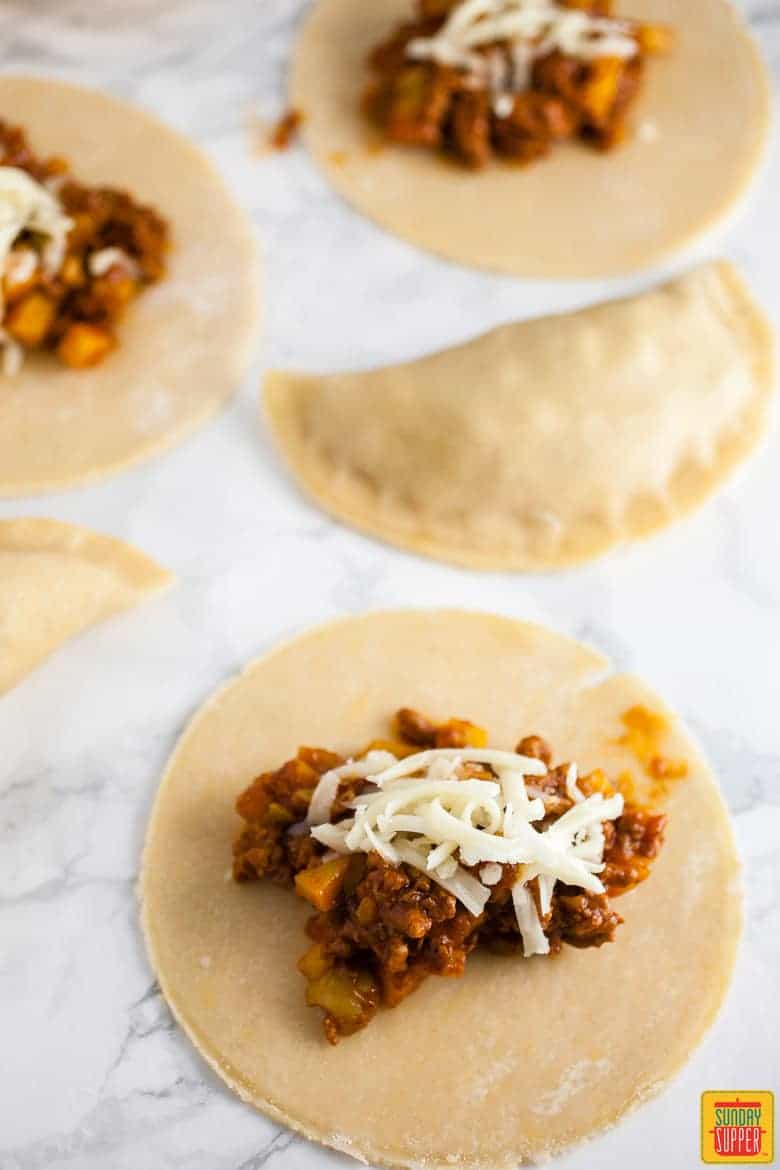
<point>450,108</point>
<point>379,929</point>
<point>114,249</point>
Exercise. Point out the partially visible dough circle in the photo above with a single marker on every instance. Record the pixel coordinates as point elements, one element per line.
<point>57,579</point>
<point>185,343</point>
<point>546,442</point>
<point>517,1059</point>
<point>577,213</point>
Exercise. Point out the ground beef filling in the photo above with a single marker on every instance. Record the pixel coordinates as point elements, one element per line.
<point>423,103</point>
<point>378,929</point>
<point>114,250</point>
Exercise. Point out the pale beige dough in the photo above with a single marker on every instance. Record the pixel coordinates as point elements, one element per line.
<point>56,580</point>
<point>185,343</point>
<point>701,124</point>
<point>545,442</point>
<point>518,1058</point>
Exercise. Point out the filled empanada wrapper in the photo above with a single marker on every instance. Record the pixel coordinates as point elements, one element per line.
<point>545,442</point>
<point>696,137</point>
<point>516,1059</point>
<point>58,579</point>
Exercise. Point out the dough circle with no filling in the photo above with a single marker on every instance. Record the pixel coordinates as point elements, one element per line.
<point>518,1058</point>
<point>699,128</point>
<point>184,344</point>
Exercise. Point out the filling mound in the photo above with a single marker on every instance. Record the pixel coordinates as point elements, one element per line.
<point>483,78</point>
<point>419,848</point>
<point>72,258</point>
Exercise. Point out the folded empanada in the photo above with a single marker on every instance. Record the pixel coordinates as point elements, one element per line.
<point>544,442</point>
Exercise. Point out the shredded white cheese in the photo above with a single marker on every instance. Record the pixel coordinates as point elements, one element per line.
<point>328,785</point>
<point>27,205</point>
<point>11,354</point>
<point>105,259</point>
<point>425,812</point>
<point>572,791</point>
<point>530,29</point>
<point>534,939</point>
<point>503,105</point>
<point>648,131</point>
<point>20,265</point>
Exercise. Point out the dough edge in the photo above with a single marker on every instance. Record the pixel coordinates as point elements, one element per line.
<point>241,353</point>
<point>351,504</point>
<point>365,1152</point>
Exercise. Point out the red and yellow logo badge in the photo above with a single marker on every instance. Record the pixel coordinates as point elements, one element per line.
<point>737,1127</point>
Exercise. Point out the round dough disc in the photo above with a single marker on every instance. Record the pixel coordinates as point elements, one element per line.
<point>185,343</point>
<point>578,212</point>
<point>518,1058</point>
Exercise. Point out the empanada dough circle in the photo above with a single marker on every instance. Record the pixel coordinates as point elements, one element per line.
<point>57,579</point>
<point>515,1060</point>
<point>185,343</point>
<point>544,442</point>
<point>700,127</point>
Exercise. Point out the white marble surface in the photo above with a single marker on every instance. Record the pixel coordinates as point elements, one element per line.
<point>93,1075</point>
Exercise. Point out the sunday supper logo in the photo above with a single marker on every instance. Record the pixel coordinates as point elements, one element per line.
<point>737,1127</point>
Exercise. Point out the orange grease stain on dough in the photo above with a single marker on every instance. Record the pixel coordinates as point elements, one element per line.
<point>644,732</point>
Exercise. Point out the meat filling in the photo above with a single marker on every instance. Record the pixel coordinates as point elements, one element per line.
<point>379,929</point>
<point>451,108</point>
<point>114,249</point>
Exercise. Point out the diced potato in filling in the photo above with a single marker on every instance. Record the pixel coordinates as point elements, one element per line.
<point>322,885</point>
<point>380,928</point>
<point>84,345</point>
<point>71,304</point>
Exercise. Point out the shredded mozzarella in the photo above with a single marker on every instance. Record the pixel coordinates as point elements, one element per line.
<point>572,791</point>
<point>425,812</point>
<point>105,259</point>
<point>410,765</point>
<point>11,354</point>
<point>328,785</point>
<point>535,941</point>
<point>458,882</point>
<point>532,29</point>
<point>28,206</point>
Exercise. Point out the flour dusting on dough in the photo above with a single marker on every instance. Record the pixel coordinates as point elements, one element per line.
<point>253,1026</point>
<point>573,1081</point>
